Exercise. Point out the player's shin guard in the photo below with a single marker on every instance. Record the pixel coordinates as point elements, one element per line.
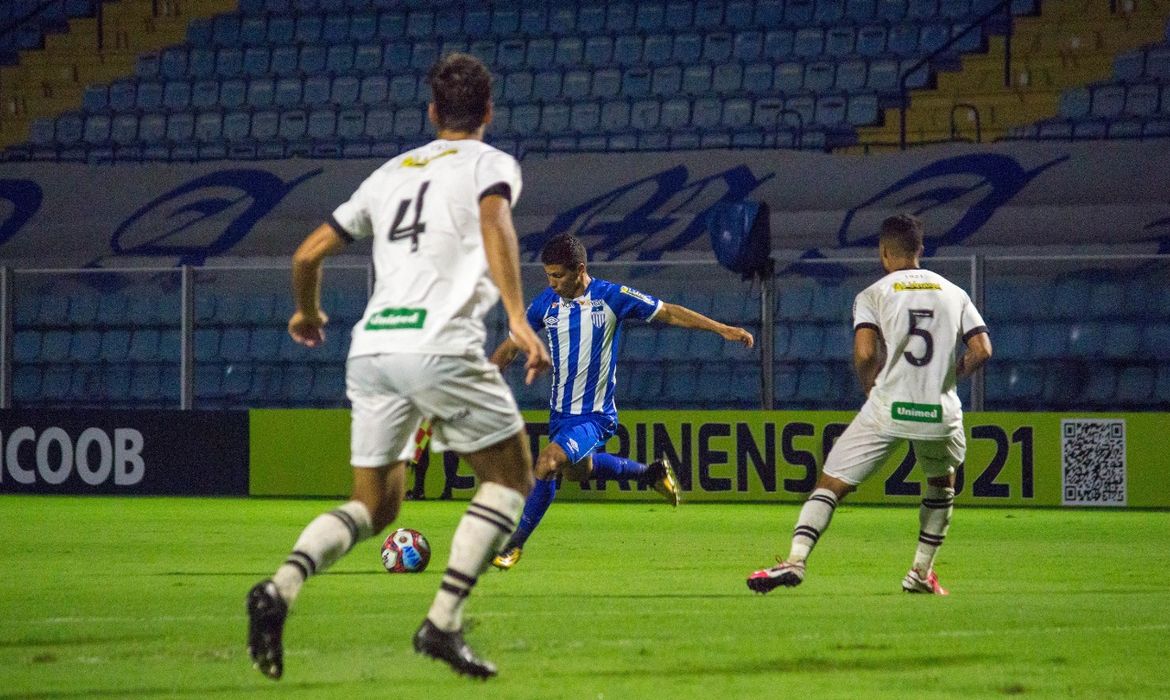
<point>325,540</point>
<point>814,519</point>
<point>539,499</point>
<point>934,519</point>
<point>490,519</point>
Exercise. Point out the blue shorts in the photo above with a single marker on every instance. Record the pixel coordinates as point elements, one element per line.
<point>580,435</point>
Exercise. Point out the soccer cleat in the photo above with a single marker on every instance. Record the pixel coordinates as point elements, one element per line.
<point>660,477</point>
<point>266,614</point>
<point>783,574</point>
<point>507,559</point>
<point>915,583</point>
<point>450,648</point>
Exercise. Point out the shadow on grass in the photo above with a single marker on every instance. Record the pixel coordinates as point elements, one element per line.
<point>810,664</point>
<point>249,689</point>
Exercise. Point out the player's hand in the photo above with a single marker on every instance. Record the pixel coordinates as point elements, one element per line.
<point>738,335</point>
<point>536,354</point>
<point>308,329</point>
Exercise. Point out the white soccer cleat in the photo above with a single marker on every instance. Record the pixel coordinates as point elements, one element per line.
<point>916,583</point>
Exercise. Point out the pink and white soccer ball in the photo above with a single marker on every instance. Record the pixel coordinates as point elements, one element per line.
<point>406,551</point>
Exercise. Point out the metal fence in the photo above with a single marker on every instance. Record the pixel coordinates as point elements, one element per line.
<point>1070,333</point>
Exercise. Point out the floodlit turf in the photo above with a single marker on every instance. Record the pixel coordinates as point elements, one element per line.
<point>145,597</point>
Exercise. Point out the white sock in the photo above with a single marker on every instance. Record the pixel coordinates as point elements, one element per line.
<point>814,518</point>
<point>934,519</point>
<point>489,521</point>
<point>325,540</point>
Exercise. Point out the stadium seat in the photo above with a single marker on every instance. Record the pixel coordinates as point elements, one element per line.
<point>808,42</point>
<point>1122,340</point>
<point>902,39</point>
<point>789,78</point>
<point>687,49</point>
<point>1075,103</point>
<point>1129,66</point>
<point>1026,382</point>
<point>1156,341</point>
<point>819,76</point>
<point>1108,101</point>
<point>1135,385</point>
<point>840,41</point>
<point>696,80</point>
<point>1141,100</point>
<point>1101,389</point>
<point>815,383</point>
<point>585,117</point>
<point>657,49</point>
<point>345,90</point>
<point>1013,341</point>
<point>806,341</point>
<point>598,51</point>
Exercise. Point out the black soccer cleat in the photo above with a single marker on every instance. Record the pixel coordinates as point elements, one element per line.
<point>659,476</point>
<point>450,648</point>
<point>266,614</point>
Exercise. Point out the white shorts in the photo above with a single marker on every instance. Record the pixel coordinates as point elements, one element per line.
<point>466,399</point>
<point>861,449</point>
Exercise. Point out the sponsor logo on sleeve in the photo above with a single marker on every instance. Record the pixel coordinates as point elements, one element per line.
<point>637,295</point>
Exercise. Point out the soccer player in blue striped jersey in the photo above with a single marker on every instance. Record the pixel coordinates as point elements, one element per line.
<point>582,317</point>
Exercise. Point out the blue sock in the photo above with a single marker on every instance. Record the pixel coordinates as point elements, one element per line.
<point>535,507</point>
<point>607,466</point>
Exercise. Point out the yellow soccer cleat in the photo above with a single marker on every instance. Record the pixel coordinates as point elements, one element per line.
<point>664,481</point>
<point>507,559</point>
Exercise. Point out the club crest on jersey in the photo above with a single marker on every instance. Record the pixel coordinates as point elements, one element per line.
<point>598,314</point>
<point>636,294</point>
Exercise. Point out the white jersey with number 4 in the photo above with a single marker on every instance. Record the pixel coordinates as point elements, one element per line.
<point>432,287</point>
<point>922,319</point>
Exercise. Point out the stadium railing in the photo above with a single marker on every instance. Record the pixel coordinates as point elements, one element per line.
<point>1070,333</point>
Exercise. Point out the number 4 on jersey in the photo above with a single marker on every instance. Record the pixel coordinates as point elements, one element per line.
<point>399,232</point>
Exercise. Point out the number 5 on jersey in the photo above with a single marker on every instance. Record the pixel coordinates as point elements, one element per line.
<point>399,232</point>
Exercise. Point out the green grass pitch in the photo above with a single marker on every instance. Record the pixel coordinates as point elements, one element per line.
<point>145,598</point>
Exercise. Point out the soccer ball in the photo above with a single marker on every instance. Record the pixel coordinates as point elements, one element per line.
<point>406,551</point>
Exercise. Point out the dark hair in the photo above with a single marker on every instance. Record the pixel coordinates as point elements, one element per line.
<point>563,249</point>
<point>461,89</point>
<point>902,233</point>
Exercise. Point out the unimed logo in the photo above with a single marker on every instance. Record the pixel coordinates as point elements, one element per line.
<point>53,455</point>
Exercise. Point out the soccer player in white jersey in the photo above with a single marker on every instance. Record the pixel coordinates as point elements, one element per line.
<point>444,250</point>
<point>582,316</point>
<point>907,330</point>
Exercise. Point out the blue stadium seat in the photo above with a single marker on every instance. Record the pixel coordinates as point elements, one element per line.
<point>345,90</point>
<point>815,383</point>
<point>1025,382</point>
<point>1157,63</point>
<point>180,127</point>
<point>1102,387</point>
<point>778,44</point>
<point>265,125</point>
<point>554,118</point>
<point>840,41</point>
<point>1122,340</point>
<point>852,75</point>
<point>1075,103</point>
<point>363,27</point>
<point>229,63</point>
<point>177,95</point>
<point>606,83</point>
<point>809,42</point>
<point>256,60</point>
<point>585,117</point>
<point>806,341</point>
<point>316,90</point>
<point>747,45</point>
<point>757,78</point>
<point>687,49</point>
<point>615,115</point>
<point>819,76</point>
<point>737,113</point>
<point>1129,66</point>
<point>312,59</point>
<point>717,47</point>
<point>152,129</point>
<point>1013,341</point>
<point>798,13</point>
<point>696,80</point>
<point>1135,385</point>
<point>1085,340</point>
<point>635,83</point>
<point>680,382</point>
<point>1156,341</point>
<point>569,52</point>
<point>644,115</point>
<point>828,12</point>
<point>208,126</point>
<point>408,123</point>
<point>173,64</point>
<point>831,111</point>
<point>124,129</point>
<point>890,10</point>
<point>802,105</point>
<point>666,81</point>
<point>902,39</point>
<point>374,89</point>
<point>1108,101</point>
<point>1162,386</point>
<point>546,85</point>
<point>883,76</point>
<point>789,78</point>
<point>288,92</point>
<point>627,50</point>
<point>26,346</point>
<point>281,30</point>
<point>598,51</point>
<point>1142,100</point>
<point>871,41</point>
<point>205,94</point>
<point>838,342</point>
<point>322,125</point>
<point>541,53</point>
<point>676,114</point>
<point>860,10</point>
<point>339,58</point>
<point>261,92</point>
<point>657,49</point>
<point>226,30</point>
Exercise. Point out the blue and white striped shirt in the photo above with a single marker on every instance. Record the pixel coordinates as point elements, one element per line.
<point>583,339</point>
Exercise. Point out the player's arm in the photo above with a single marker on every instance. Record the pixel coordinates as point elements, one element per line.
<point>683,317</point>
<point>308,321</point>
<point>867,355</point>
<point>978,352</point>
<point>503,257</point>
<point>505,353</point>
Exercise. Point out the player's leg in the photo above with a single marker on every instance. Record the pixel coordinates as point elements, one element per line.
<point>381,425</point>
<point>658,475</point>
<point>939,460</point>
<point>549,463</point>
<point>855,455</point>
<point>505,474</point>
<point>477,417</point>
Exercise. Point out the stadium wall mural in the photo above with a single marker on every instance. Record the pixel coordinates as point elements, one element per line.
<point>1026,197</point>
<point>1016,459</point>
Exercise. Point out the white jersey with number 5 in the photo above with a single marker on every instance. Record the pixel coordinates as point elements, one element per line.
<point>922,319</point>
<point>432,286</point>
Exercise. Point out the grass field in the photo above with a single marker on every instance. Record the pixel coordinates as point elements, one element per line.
<point>144,597</point>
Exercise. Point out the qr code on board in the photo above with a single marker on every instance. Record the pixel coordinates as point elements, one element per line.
<point>1092,459</point>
